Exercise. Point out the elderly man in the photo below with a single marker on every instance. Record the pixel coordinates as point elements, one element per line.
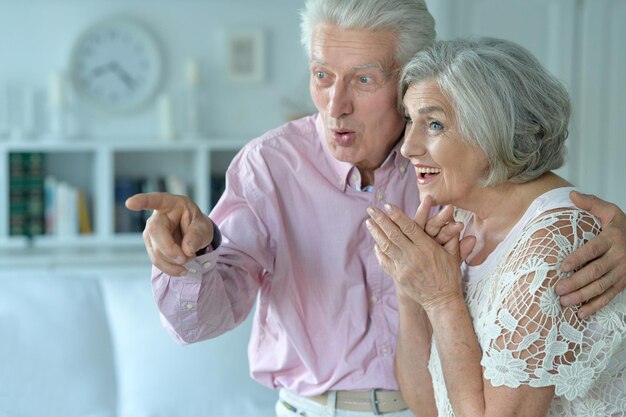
<point>291,226</point>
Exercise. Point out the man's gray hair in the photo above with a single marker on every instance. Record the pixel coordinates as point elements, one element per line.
<point>505,101</point>
<point>411,21</point>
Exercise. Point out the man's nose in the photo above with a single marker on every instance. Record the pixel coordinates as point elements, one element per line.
<point>340,102</point>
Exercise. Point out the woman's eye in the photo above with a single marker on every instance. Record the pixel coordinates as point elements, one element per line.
<point>434,125</point>
<point>320,75</point>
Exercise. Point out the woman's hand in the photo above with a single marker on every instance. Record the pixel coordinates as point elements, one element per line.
<point>424,271</point>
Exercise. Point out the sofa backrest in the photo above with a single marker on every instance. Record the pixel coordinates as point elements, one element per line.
<point>92,345</point>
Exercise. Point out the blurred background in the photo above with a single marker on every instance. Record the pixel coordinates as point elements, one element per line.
<point>76,315</point>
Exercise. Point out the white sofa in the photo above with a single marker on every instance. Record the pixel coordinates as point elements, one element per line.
<point>83,344</point>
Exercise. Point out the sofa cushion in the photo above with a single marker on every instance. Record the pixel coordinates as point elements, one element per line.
<point>55,347</point>
<point>157,377</point>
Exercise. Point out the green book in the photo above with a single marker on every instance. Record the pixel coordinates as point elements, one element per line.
<point>26,211</point>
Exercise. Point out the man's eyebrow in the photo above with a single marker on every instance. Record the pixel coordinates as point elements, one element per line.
<point>358,67</point>
<point>368,66</point>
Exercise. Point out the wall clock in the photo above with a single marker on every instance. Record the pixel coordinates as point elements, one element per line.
<point>116,65</point>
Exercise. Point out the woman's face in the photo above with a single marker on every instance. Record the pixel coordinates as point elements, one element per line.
<point>448,168</point>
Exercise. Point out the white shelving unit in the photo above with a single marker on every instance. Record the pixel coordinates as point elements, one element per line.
<point>93,167</point>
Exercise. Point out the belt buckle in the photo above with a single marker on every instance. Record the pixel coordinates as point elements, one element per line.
<point>374,402</point>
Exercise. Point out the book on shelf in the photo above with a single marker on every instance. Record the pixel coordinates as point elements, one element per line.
<point>26,207</point>
<point>128,221</point>
<point>39,204</point>
<point>66,211</point>
<point>218,185</point>
<point>84,220</point>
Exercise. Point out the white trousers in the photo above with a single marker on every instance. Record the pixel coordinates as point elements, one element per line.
<point>292,405</point>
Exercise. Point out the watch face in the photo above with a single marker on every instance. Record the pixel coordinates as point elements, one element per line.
<point>116,65</point>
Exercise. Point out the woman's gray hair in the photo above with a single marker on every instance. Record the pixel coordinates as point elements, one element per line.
<point>504,100</point>
<point>411,21</point>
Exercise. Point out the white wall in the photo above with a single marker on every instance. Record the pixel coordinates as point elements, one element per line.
<point>578,40</point>
<point>36,38</point>
<point>581,42</point>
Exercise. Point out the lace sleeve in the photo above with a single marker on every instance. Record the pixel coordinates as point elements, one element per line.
<point>532,340</point>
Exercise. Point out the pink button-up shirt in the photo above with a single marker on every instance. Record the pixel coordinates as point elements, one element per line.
<point>295,243</point>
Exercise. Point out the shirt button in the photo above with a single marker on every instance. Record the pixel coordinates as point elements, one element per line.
<point>207,264</point>
<point>374,299</point>
<point>379,195</point>
<point>192,270</point>
<point>402,169</point>
<point>385,350</point>
<point>189,306</point>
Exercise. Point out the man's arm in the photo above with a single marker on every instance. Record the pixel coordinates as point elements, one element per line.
<point>174,232</point>
<point>199,297</point>
<point>604,275</point>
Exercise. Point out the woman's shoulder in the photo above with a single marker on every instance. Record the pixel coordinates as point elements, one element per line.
<point>554,211</point>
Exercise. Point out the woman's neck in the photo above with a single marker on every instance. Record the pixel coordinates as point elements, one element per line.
<point>499,208</point>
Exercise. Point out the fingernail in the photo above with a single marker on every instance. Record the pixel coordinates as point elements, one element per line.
<point>371,211</point>
<point>368,223</point>
<point>566,301</point>
<point>180,260</point>
<point>566,267</point>
<point>388,207</point>
<point>560,289</point>
<point>581,314</point>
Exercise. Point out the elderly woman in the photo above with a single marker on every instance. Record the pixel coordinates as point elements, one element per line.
<point>486,125</point>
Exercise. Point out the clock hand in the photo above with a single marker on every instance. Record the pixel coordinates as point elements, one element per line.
<point>123,75</point>
<point>102,69</point>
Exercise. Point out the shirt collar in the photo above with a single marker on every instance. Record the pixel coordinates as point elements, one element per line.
<point>343,169</point>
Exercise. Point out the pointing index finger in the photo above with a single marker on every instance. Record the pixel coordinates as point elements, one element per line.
<point>149,201</point>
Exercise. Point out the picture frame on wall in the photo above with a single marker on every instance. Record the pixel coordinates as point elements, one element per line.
<point>246,56</point>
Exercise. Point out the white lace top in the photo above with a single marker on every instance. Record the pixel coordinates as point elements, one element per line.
<point>526,337</point>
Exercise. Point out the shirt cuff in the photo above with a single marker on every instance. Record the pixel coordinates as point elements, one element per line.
<point>215,243</point>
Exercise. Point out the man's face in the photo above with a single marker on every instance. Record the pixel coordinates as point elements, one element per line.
<point>354,86</point>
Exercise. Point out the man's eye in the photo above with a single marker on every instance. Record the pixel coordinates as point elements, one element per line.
<point>364,79</point>
<point>320,75</point>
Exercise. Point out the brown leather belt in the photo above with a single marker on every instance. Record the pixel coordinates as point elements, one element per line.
<point>375,401</point>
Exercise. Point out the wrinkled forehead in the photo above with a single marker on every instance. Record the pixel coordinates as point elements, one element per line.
<point>426,97</point>
<point>331,44</point>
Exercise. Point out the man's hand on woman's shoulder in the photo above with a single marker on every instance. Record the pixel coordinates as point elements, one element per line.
<point>604,258</point>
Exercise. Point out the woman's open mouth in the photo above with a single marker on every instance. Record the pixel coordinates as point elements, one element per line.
<point>426,174</point>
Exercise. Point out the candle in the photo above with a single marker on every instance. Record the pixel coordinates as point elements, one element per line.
<point>166,118</point>
<point>5,106</point>
<point>57,90</point>
<point>192,72</point>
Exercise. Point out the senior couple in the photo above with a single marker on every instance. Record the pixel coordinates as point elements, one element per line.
<point>471,307</point>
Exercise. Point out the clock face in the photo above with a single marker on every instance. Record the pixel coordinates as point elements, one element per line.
<point>116,66</point>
